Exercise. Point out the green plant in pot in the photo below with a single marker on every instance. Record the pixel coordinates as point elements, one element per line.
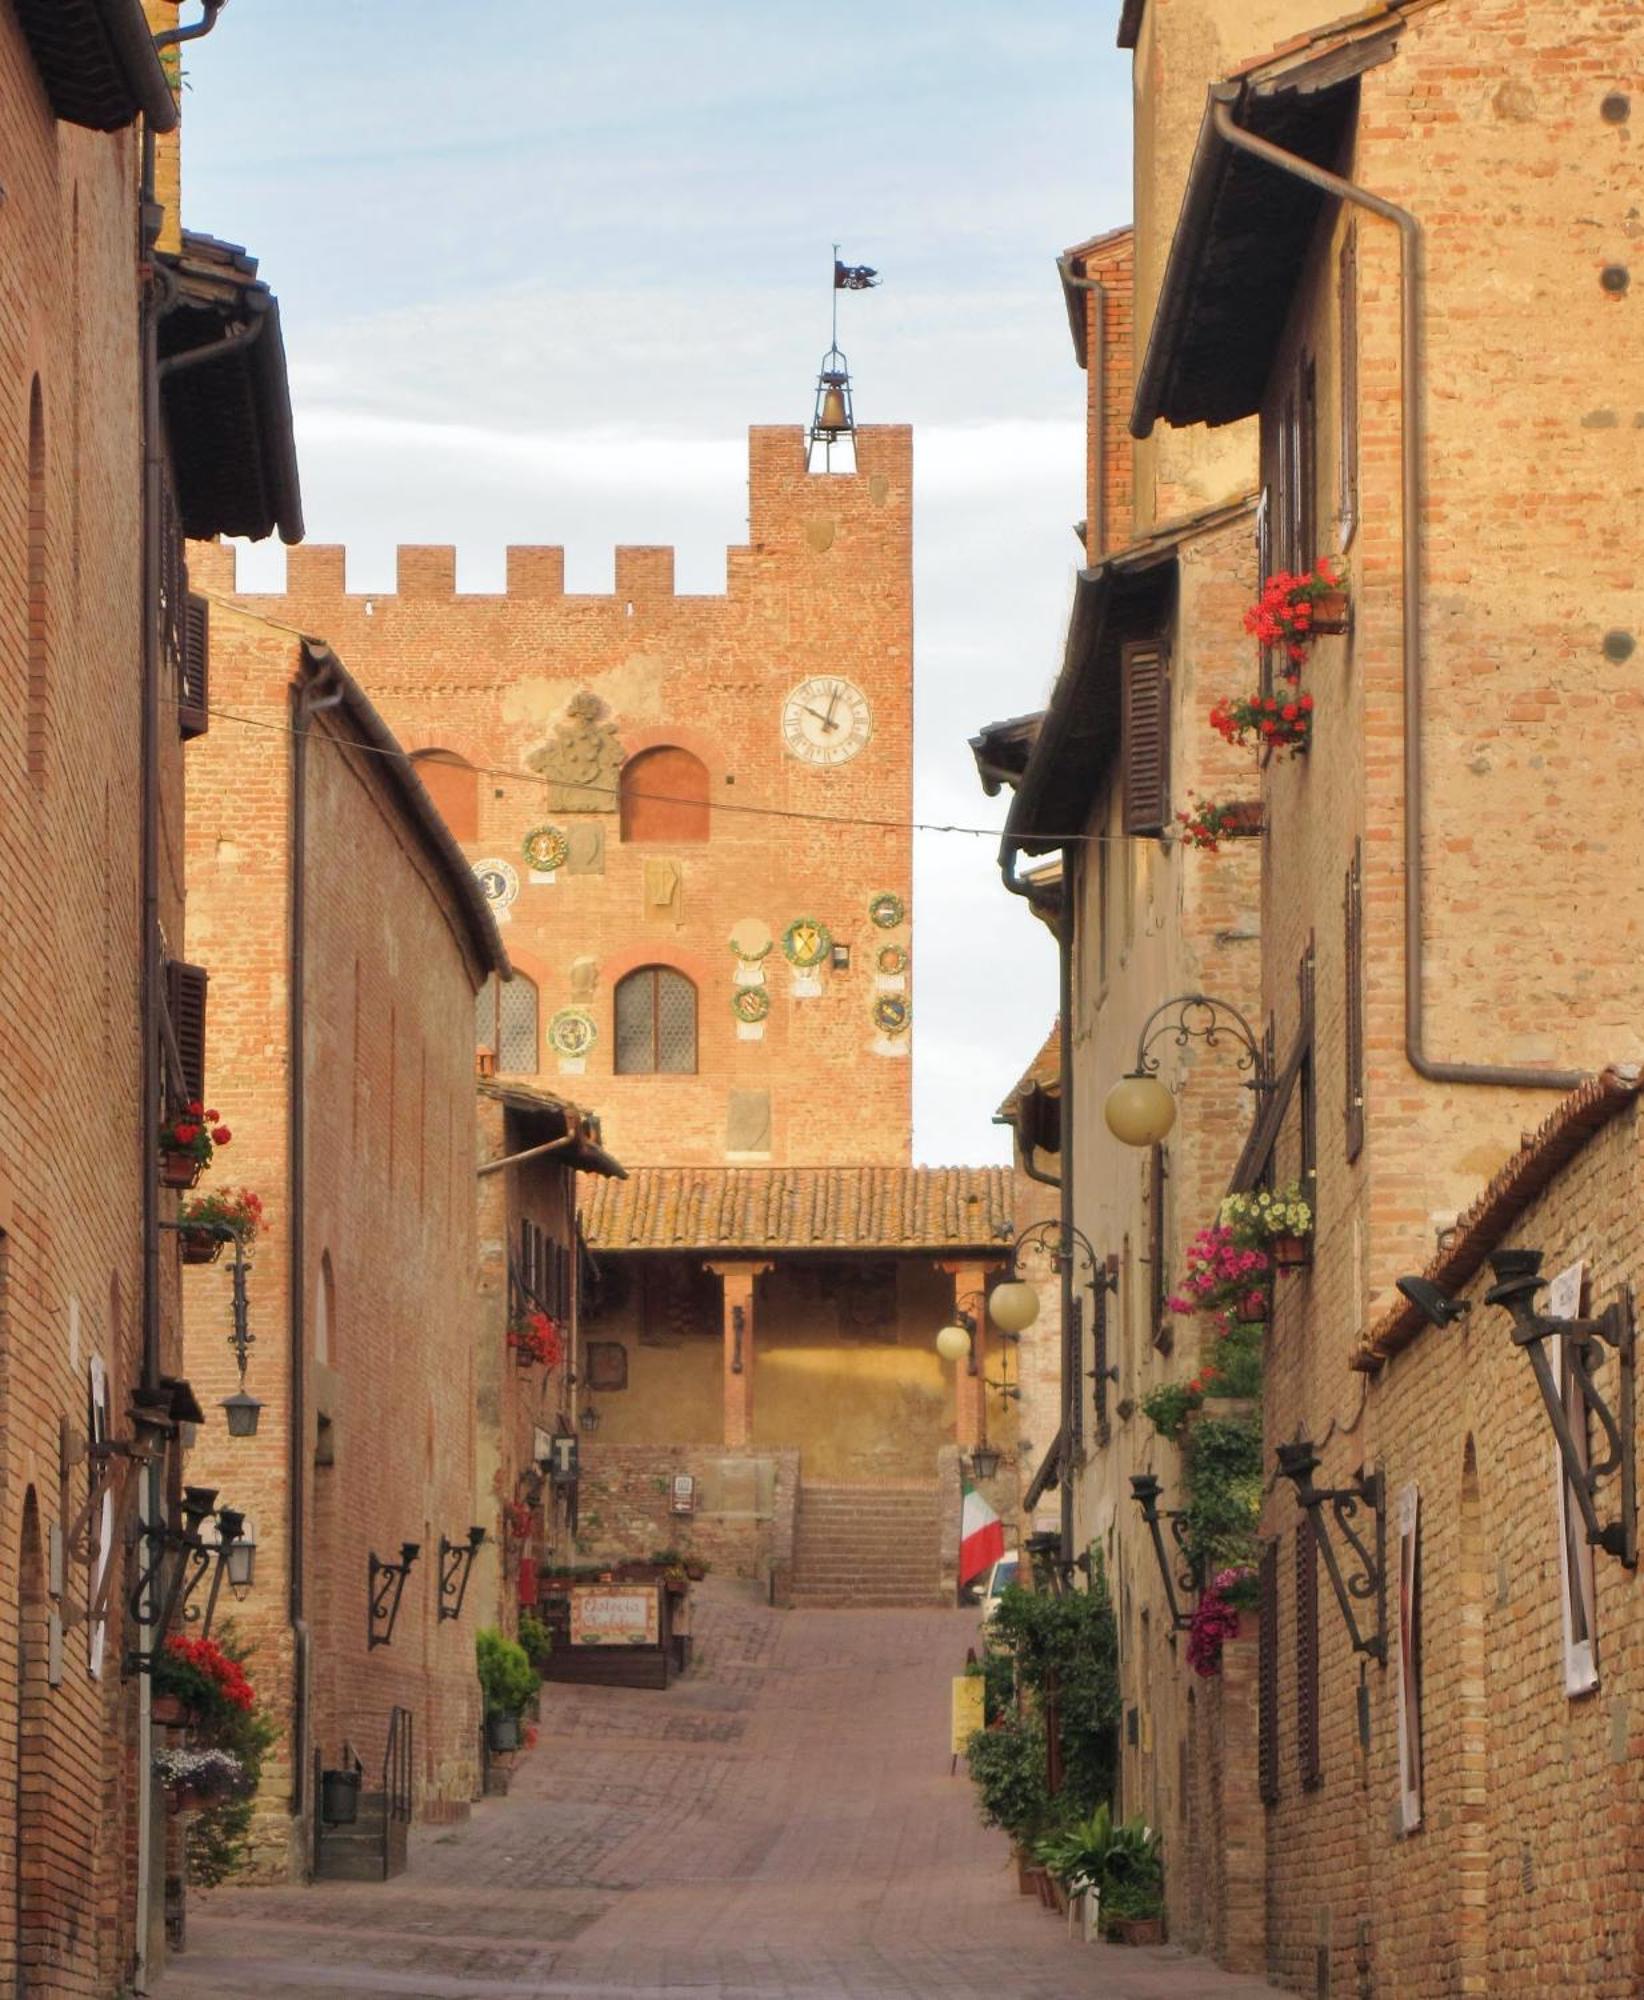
<point>507,1681</point>
<point>1132,1886</point>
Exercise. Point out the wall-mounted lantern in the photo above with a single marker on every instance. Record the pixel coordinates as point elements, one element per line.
<point>1517,1282</point>
<point>241,1410</point>
<point>957,1341</point>
<point>179,1560</point>
<point>456,1565</point>
<point>386,1586</point>
<point>1366,1586</point>
<point>1140,1110</point>
<point>1145,1491</point>
<point>239,1552</point>
<point>984,1460</point>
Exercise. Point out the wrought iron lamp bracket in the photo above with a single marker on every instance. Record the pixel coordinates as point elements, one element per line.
<point>386,1586</point>
<point>1517,1282</point>
<point>1145,1490</point>
<point>1200,1017</point>
<point>1364,1584</point>
<point>456,1566</point>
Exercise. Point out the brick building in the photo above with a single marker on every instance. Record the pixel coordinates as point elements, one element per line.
<point>649,785</point>
<point>348,940</point>
<point>1468,930</point>
<point>103,445</point>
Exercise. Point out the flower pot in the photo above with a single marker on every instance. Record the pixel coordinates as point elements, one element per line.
<point>200,1246</point>
<point>169,1711</point>
<point>1025,1872</point>
<point>1045,1884</point>
<point>696,1571</point>
<point>177,1168</point>
<point>339,1797</point>
<point>1136,1930</point>
<point>1241,819</point>
<point>1330,611</point>
<point>502,1734</point>
<point>524,1358</point>
<point>1290,1253</point>
<point>184,1798</point>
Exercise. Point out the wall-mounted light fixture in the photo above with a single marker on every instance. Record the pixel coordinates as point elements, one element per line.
<point>1145,1491</point>
<point>739,1328</point>
<point>957,1341</point>
<point>1434,1306</point>
<point>386,1586</point>
<point>1140,1110</point>
<point>241,1409</point>
<point>239,1553</point>
<point>1517,1282</point>
<point>984,1460</point>
<point>179,1560</point>
<point>456,1566</point>
<point>1366,1585</point>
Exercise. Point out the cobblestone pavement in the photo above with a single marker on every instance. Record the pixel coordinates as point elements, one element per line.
<point>780,1825</point>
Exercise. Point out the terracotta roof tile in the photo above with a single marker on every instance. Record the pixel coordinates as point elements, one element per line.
<point>801,1208</point>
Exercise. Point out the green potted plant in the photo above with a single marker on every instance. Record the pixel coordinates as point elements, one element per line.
<point>1132,1884</point>
<point>507,1681</point>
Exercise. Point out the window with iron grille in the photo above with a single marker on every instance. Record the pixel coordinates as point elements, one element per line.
<point>1267,1680</point>
<point>655,1011</point>
<point>516,1043</point>
<point>1308,1766</point>
<point>1353,974</point>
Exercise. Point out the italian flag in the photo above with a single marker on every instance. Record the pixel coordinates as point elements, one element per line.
<point>981,1535</point>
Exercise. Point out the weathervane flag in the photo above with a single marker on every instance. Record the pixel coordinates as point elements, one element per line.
<point>854,277</point>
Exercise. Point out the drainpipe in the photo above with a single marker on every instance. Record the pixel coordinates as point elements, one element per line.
<point>202,27</point>
<point>1064,972</point>
<point>310,702</point>
<point>1411,452</point>
<point>1096,359</point>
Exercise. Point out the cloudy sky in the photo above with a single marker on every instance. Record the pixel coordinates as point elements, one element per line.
<point>542,262</point>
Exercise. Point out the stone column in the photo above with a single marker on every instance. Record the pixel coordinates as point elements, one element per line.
<point>736,1283</point>
<point>970,1288</point>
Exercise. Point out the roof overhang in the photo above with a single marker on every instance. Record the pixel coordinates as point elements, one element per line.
<point>1049,1473</point>
<point>1130,22</point>
<point>1241,243</point>
<point>1002,750</point>
<point>558,1117</point>
<point>98,63</point>
<point>226,398</point>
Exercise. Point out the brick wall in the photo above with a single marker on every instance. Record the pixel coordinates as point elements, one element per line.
<point>823,586</point>
<point>744,1519</point>
<point>389,1302</point>
<point>70,1043</point>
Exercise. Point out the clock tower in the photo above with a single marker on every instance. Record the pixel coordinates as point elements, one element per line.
<point>690,813</point>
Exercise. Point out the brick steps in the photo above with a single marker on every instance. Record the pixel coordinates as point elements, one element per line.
<point>871,1546</point>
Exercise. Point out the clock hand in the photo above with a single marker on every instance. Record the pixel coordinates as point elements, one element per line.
<point>823,719</point>
<point>833,704</point>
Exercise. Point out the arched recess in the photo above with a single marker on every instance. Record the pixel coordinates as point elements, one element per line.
<point>39,634</point>
<point>664,796</point>
<point>34,1950</point>
<point>1472,1876</point>
<point>453,784</point>
<point>507,1021</point>
<point>654,1017</point>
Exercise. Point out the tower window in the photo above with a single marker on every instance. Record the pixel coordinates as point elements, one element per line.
<point>664,796</point>
<point>655,1023</point>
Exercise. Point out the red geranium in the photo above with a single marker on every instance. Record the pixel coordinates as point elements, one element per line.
<point>1283,615</point>
<point>537,1337</point>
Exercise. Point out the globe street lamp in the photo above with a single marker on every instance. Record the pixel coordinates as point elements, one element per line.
<point>1140,1110</point>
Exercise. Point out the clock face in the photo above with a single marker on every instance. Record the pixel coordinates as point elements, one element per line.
<point>826,720</point>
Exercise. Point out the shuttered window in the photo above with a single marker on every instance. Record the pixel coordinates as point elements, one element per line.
<point>655,1010</point>
<point>1353,975</point>
<point>516,1042</point>
<point>1267,1679</point>
<point>186,1012</point>
<point>1145,737</point>
<point>193,690</point>
<point>1159,1324</point>
<point>1101,1293</point>
<point>1076,1374</point>
<point>1347,323</point>
<point>1308,1768</point>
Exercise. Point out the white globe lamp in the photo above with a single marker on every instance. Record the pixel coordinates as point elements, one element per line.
<point>1139,1110</point>
<point>1013,1306</point>
<point>953,1343</point>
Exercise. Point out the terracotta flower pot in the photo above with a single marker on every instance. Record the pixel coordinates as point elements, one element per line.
<point>1241,819</point>
<point>200,1246</point>
<point>1330,612</point>
<point>184,1798</point>
<point>1137,1930</point>
<point>169,1712</point>
<point>178,1169</point>
<point>1290,1253</point>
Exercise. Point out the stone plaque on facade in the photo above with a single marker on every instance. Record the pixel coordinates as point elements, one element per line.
<point>748,1122</point>
<point>583,761</point>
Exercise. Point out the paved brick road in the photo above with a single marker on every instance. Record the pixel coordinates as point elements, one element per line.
<point>779,1826</point>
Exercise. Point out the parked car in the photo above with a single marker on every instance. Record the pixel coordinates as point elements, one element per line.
<point>999,1578</point>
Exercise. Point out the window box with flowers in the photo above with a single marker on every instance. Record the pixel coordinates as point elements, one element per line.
<point>237,1210</point>
<point>196,1683</point>
<point>1294,610</point>
<point>1276,1220</point>
<point>187,1143</point>
<point>1207,822</point>
<point>1271,722</point>
<point>536,1339</point>
<point>197,1778</point>
<point>1224,1276</point>
<point>1216,1616</point>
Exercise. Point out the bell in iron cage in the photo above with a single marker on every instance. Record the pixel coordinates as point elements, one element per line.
<point>833,418</point>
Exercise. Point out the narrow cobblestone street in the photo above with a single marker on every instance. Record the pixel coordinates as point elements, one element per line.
<point>780,1825</point>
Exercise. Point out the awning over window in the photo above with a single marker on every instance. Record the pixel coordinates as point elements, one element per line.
<point>98,62</point>
<point>1049,1473</point>
<point>226,399</point>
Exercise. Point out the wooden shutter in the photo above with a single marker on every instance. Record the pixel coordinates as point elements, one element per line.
<point>1308,1767</point>
<point>186,1007</point>
<point>1145,726</point>
<point>193,693</point>
<point>1159,1326</point>
<point>1353,974</point>
<point>1267,1681</point>
<point>1307,466</point>
<point>1101,1293</point>
<point>1076,1372</point>
<point>1347,376</point>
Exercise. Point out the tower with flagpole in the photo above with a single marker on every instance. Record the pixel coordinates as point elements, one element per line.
<point>833,418</point>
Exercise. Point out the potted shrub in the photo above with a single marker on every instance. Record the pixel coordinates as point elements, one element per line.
<point>1224,1274</point>
<point>1216,1617</point>
<point>203,1220</point>
<point>536,1339</point>
<point>1132,1884</point>
<point>187,1143</point>
<point>507,1682</point>
<point>1168,1407</point>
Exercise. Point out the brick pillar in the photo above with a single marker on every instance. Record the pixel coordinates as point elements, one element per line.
<point>736,1283</point>
<point>970,1290</point>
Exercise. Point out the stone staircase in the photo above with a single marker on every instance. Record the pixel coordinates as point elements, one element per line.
<point>867,1546</point>
<point>371,1848</point>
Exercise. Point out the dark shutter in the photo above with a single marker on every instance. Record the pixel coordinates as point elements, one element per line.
<point>193,694</point>
<point>1146,738</point>
<point>1353,974</point>
<point>1307,465</point>
<point>1101,1293</point>
<point>1267,1680</point>
<point>1159,1324</point>
<point>186,1008</point>
<point>1348,379</point>
<point>1308,1767</point>
<point>1075,1373</point>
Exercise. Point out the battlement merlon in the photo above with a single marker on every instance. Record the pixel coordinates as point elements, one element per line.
<point>785,504</point>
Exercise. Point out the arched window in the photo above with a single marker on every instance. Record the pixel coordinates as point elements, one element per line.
<point>655,1023</point>
<point>453,784</point>
<point>665,796</point>
<point>39,632</point>
<point>505,1021</point>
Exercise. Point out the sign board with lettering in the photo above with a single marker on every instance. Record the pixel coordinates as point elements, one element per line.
<point>684,1500</point>
<point>615,1614</point>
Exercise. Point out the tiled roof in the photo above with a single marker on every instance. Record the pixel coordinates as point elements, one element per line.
<point>801,1208</point>
<point>1541,1157</point>
<point>588,1154</point>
